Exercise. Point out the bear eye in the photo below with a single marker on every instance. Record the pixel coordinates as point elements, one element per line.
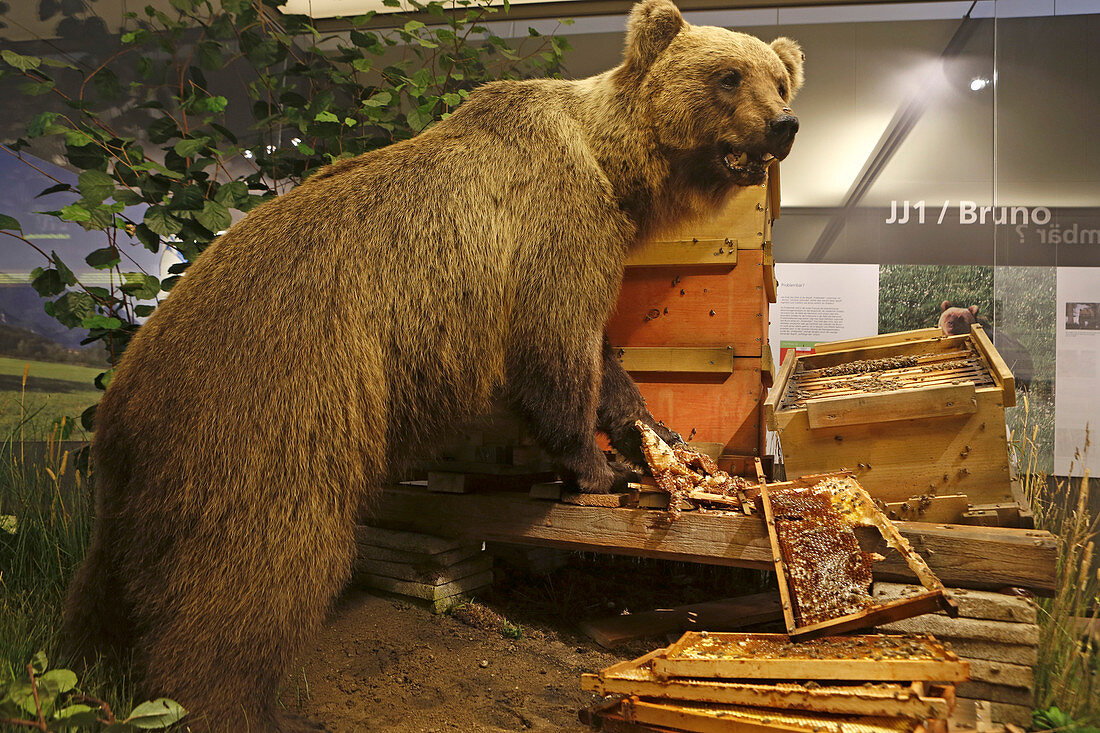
<point>783,91</point>
<point>730,80</point>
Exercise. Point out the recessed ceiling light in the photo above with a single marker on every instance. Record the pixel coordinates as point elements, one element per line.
<point>978,83</point>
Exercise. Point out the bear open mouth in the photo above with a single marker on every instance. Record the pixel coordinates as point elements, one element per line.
<point>741,163</point>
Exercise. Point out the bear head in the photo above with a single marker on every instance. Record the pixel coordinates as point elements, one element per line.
<point>955,321</point>
<point>717,101</point>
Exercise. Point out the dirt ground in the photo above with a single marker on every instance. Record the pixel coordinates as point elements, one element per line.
<point>382,664</point>
<point>385,664</point>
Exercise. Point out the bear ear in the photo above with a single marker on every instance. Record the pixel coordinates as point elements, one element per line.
<point>790,53</point>
<point>945,305</point>
<point>973,310</point>
<point>652,26</point>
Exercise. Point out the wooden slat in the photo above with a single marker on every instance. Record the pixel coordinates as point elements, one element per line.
<point>945,400</point>
<point>962,557</point>
<point>774,395</point>
<point>940,509</point>
<point>677,359</point>
<point>882,613</point>
<point>777,558</point>
<point>685,253</point>
<point>885,339</point>
<point>635,677</point>
<point>678,661</point>
<point>735,719</point>
<point>997,364</point>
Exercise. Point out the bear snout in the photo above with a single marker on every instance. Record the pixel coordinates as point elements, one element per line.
<point>781,131</point>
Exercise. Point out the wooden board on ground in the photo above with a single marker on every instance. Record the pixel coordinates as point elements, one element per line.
<point>776,657</point>
<point>724,615</point>
<point>636,677</point>
<point>969,557</point>
<point>737,719</point>
<point>426,591</point>
<point>974,604</point>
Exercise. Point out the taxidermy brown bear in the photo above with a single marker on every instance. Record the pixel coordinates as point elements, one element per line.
<point>339,329</point>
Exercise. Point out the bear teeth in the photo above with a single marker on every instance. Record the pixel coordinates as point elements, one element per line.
<point>734,161</point>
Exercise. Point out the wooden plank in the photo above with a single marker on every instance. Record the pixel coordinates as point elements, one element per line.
<point>677,359</point>
<point>923,402</point>
<point>600,500</point>
<point>885,339</point>
<point>712,251</point>
<point>974,604</point>
<point>737,719</point>
<point>426,591</point>
<point>966,557</point>
<point>693,307</point>
<point>428,574</point>
<point>996,363</point>
<point>698,654</point>
<point>767,367</point>
<point>411,542</point>
<point>773,189</point>
<point>636,677</point>
<point>882,613</point>
<point>777,559</point>
<point>939,509</point>
<point>724,615</point>
<point>771,404</point>
<point>464,483</point>
<point>741,217</point>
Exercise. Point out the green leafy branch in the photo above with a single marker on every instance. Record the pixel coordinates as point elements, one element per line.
<point>48,700</point>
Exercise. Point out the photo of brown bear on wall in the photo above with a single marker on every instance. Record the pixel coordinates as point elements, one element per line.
<point>1083,316</point>
<point>954,321</point>
<point>491,247</point>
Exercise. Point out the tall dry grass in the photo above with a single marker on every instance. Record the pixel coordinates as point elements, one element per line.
<point>1069,648</point>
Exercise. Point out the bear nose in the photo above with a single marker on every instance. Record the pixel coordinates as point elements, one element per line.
<point>783,127</point>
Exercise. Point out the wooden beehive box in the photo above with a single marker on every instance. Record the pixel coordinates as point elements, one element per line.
<point>692,322</point>
<point>929,422</point>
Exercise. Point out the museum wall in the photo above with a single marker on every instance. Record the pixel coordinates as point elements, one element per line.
<point>947,152</point>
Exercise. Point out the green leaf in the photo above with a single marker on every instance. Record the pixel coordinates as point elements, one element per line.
<point>163,129</point>
<point>144,311</point>
<point>188,148</point>
<point>158,220</point>
<point>64,679</point>
<point>87,419</point>
<point>350,121</point>
<point>232,194</point>
<point>452,99</point>
<point>64,272</point>
<point>95,185</point>
<point>39,663</point>
<point>46,282</point>
<point>209,55</point>
<point>36,88</point>
<point>413,26</point>
<point>71,308</point>
<point>420,117</point>
<point>78,139</point>
<point>211,104</point>
<point>78,213</point>
<point>214,216</point>
<point>126,197</point>
<point>103,379</point>
<point>19,61</point>
<point>77,715</point>
<point>326,116</point>
<point>8,222</point>
<point>139,285</point>
<point>147,237</point>
<point>103,259</point>
<point>159,713</point>
<point>40,123</point>
<point>381,99</point>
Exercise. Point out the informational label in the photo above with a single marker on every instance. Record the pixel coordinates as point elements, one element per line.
<point>823,302</point>
<point>1077,396</point>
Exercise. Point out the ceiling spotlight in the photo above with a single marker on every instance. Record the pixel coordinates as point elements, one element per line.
<point>295,141</point>
<point>270,149</point>
<point>978,83</point>
<point>248,154</point>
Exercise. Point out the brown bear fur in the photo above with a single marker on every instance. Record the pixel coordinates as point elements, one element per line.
<point>339,329</point>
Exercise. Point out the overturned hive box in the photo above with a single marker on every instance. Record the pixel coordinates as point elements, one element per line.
<point>912,414</point>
